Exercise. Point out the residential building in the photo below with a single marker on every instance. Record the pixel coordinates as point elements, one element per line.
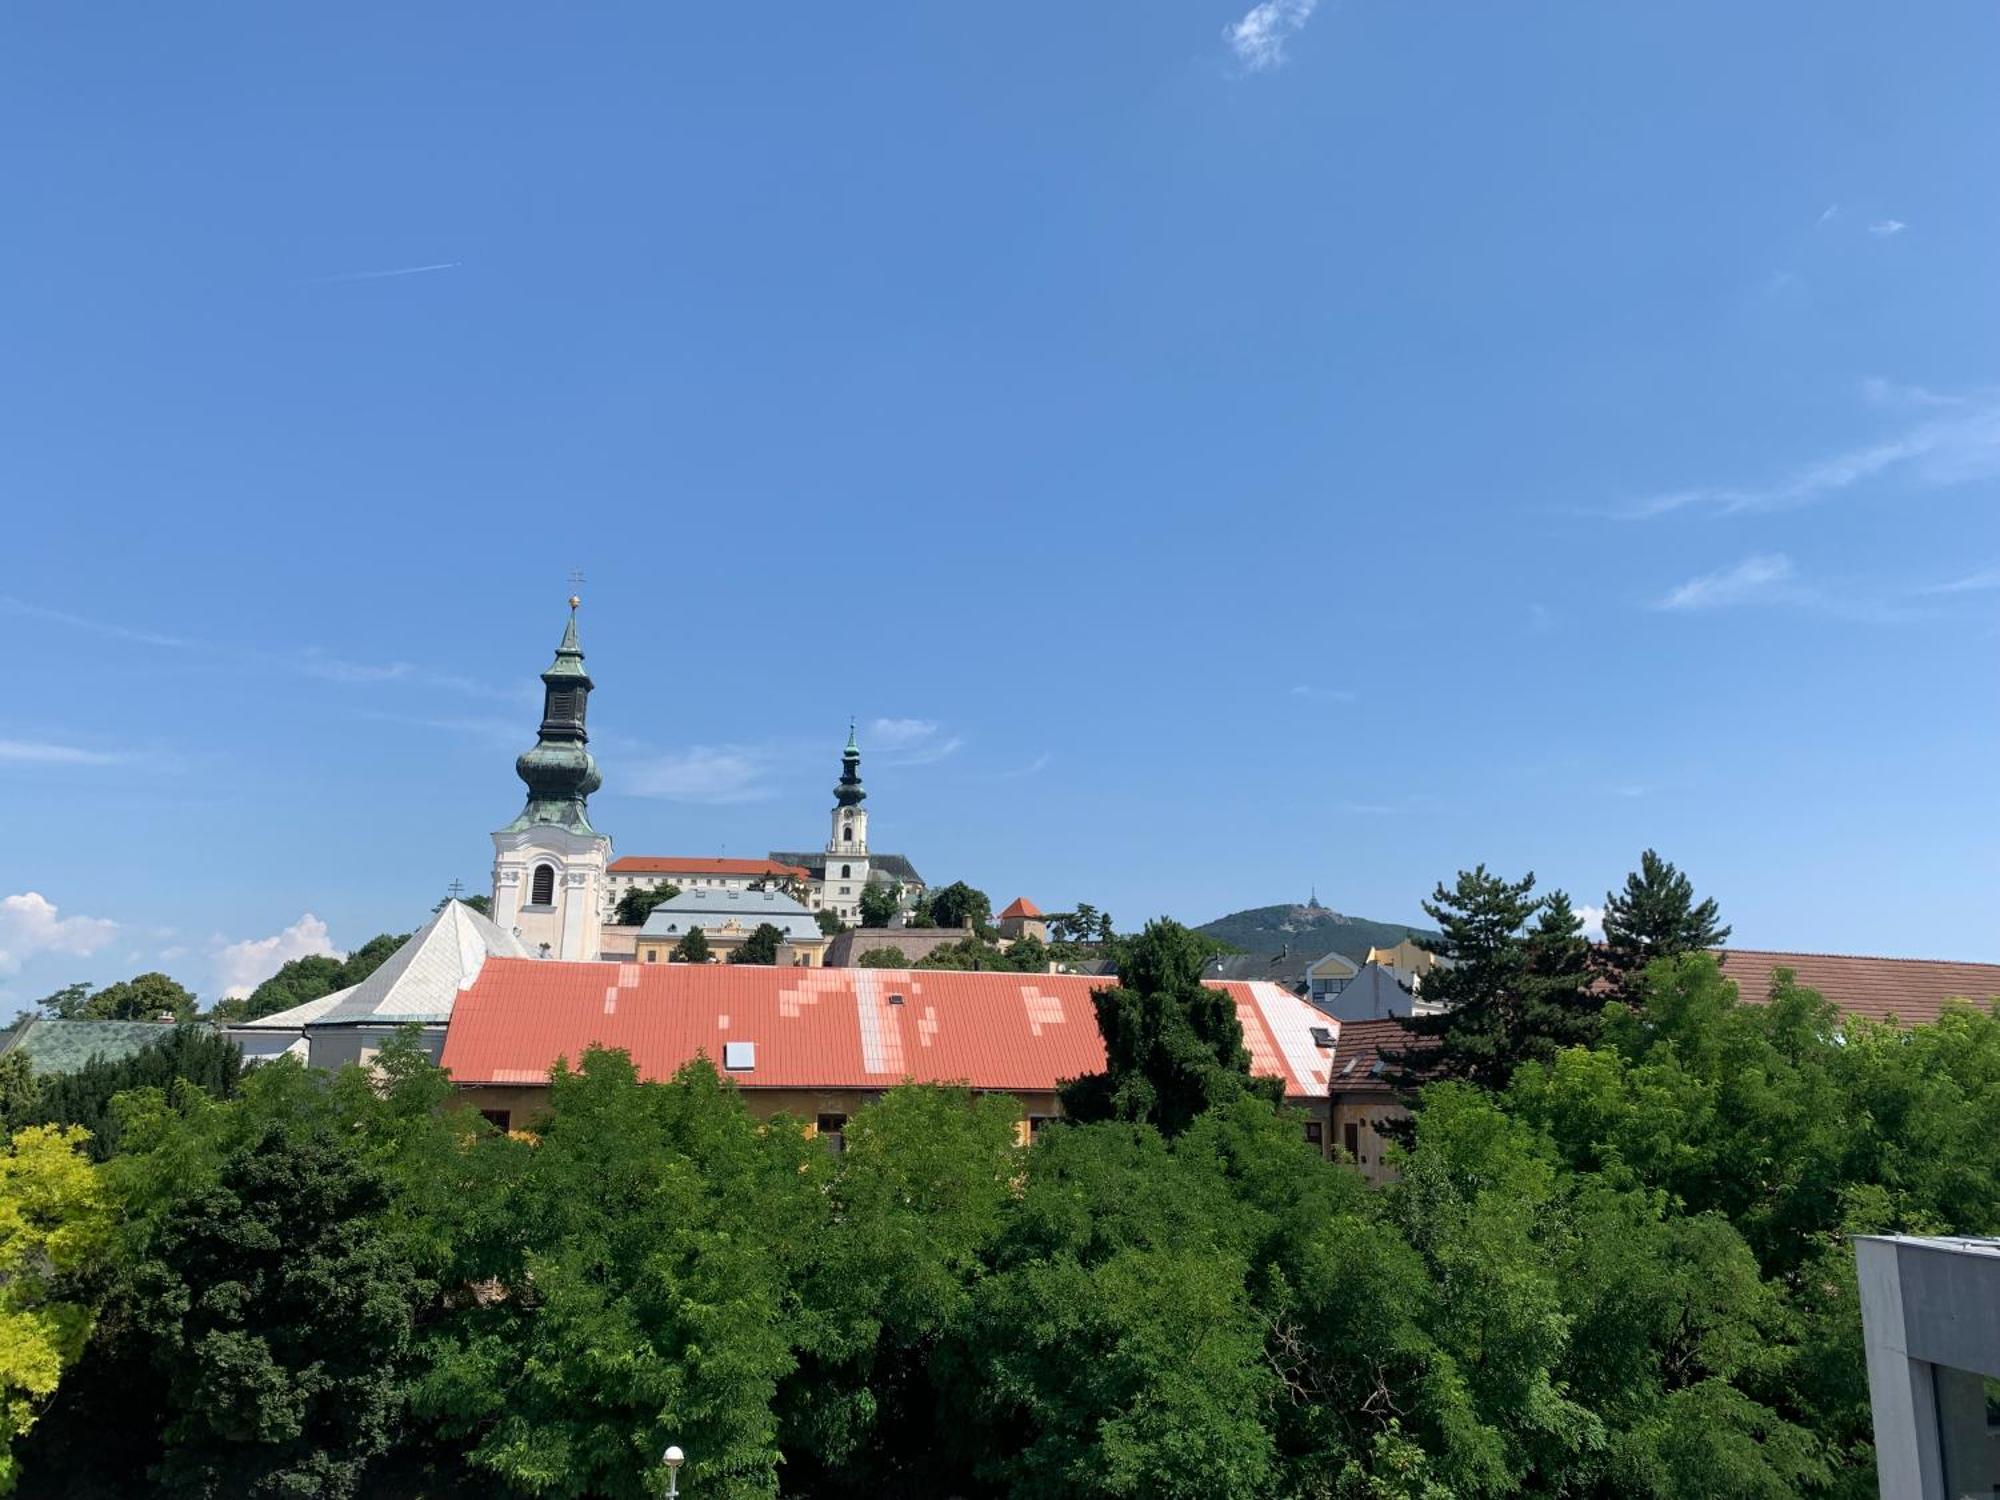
<point>818,1044</point>
<point>1408,961</point>
<point>1328,976</point>
<point>1286,967</point>
<point>1361,1103</point>
<point>416,985</point>
<point>1375,994</point>
<point>549,865</point>
<point>1023,919</point>
<point>727,919</point>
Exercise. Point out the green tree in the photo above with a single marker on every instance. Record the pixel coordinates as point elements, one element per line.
<point>481,904</point>
<point>1481,981</point>
<point>829,923</point>
<point>691,949</point>
<point>1084,925</point>
<point>86,1097</point>
<point>54,1227</point>
<point>144,997</point>
<point>882,958</point>
<point>276,1308</point>
<point>641,1300</point>
<point>959,905</point>
<point>1654,916</point>
<point>20,1092</point>
<point>637,903</point>
<point>879,903</point>
<point>1173,1045</point>
<point>761,947</point>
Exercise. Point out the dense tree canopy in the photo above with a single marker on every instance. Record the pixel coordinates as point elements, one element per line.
<point>144,997</point>
<point>1623,1274</point>
<point>203,1057</point>
<point>637,903</point>
<point>761,947</point>
<point>691,949</point>
<point>955,905</point>
<point>880,902</point>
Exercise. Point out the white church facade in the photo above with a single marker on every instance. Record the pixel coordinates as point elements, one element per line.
<point>556,884</point>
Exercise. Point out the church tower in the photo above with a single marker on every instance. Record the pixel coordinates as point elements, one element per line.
<point>847,844</point>
<point>549,886</point>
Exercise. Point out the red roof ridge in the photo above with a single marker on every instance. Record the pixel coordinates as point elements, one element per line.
<point>1021,906</point>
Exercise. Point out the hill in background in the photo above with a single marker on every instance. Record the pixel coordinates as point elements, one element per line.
<point>1312,930</point>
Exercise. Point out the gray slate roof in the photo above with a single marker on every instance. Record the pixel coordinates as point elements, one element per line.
<point>891,866</point>
<point>419,982</point>
<point>711,909</point>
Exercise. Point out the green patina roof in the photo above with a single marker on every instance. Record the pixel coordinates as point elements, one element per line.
<point>559,772</point>
<point>53,1046</point>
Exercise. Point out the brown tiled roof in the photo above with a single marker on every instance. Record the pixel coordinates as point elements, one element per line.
<point>1358,1067</point>
<point>1910,990</point>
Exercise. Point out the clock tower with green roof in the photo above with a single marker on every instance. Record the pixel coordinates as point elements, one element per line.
<point>549,883</point>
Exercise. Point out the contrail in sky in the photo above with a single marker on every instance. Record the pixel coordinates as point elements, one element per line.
<point>378,275</point>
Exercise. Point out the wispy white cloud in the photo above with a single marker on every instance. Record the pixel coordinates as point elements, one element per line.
<point>1593,920</point>
<point>1883,228</point>
<point>894,734</point>
<point>1258,38</point>
<point>1978,582</point>
<point>716,775</point>
<point>911,742</point>
<point>1827,216</point>
<point>1755,580</point>
<point>446,265</point>
<point>1957,440</point>
<point>243,966</point>
<point>23,608</point>
<point>1033,768</point>
<point>1323,695</point>
<point>30,925</point>
<point>45,753</point>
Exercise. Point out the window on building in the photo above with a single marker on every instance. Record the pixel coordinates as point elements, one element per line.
<point>1316,1135</point>
<point>833,1130</point>
<point>1352,1140</point>
<point>1038,1123</point>
<point>543,891</point>
<point>499,1119</point>
<point>847,834</point>
<point>847,872</point>
<point>652,955</point>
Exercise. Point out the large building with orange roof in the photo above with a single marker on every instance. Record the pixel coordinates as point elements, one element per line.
<point>817,1044</point>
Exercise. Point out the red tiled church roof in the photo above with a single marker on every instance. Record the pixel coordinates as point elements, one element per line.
<point>829,1028</point>
<point>1020,906</point>
<point>655,864</point>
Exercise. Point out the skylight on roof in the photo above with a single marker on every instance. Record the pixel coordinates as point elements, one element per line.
<point>739,1057</point>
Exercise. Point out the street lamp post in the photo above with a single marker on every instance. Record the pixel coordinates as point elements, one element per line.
<point>673,1458</point>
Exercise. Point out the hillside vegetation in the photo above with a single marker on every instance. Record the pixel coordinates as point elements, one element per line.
<point>1316,929</point>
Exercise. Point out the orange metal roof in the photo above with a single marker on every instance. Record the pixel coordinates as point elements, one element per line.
<point>1021,906</point>
<point>655,864</point>
<point>829,1028</point>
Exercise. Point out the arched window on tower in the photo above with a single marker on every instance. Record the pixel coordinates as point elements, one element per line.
<point>543,892</point>
<point>847,872</point>
<point>847,833</point>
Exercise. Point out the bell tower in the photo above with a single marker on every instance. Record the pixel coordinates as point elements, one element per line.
<point>847,843</point>
<point>549,885</point>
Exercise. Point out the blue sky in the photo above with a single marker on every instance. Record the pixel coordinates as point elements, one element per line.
<point>1229,450</point>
